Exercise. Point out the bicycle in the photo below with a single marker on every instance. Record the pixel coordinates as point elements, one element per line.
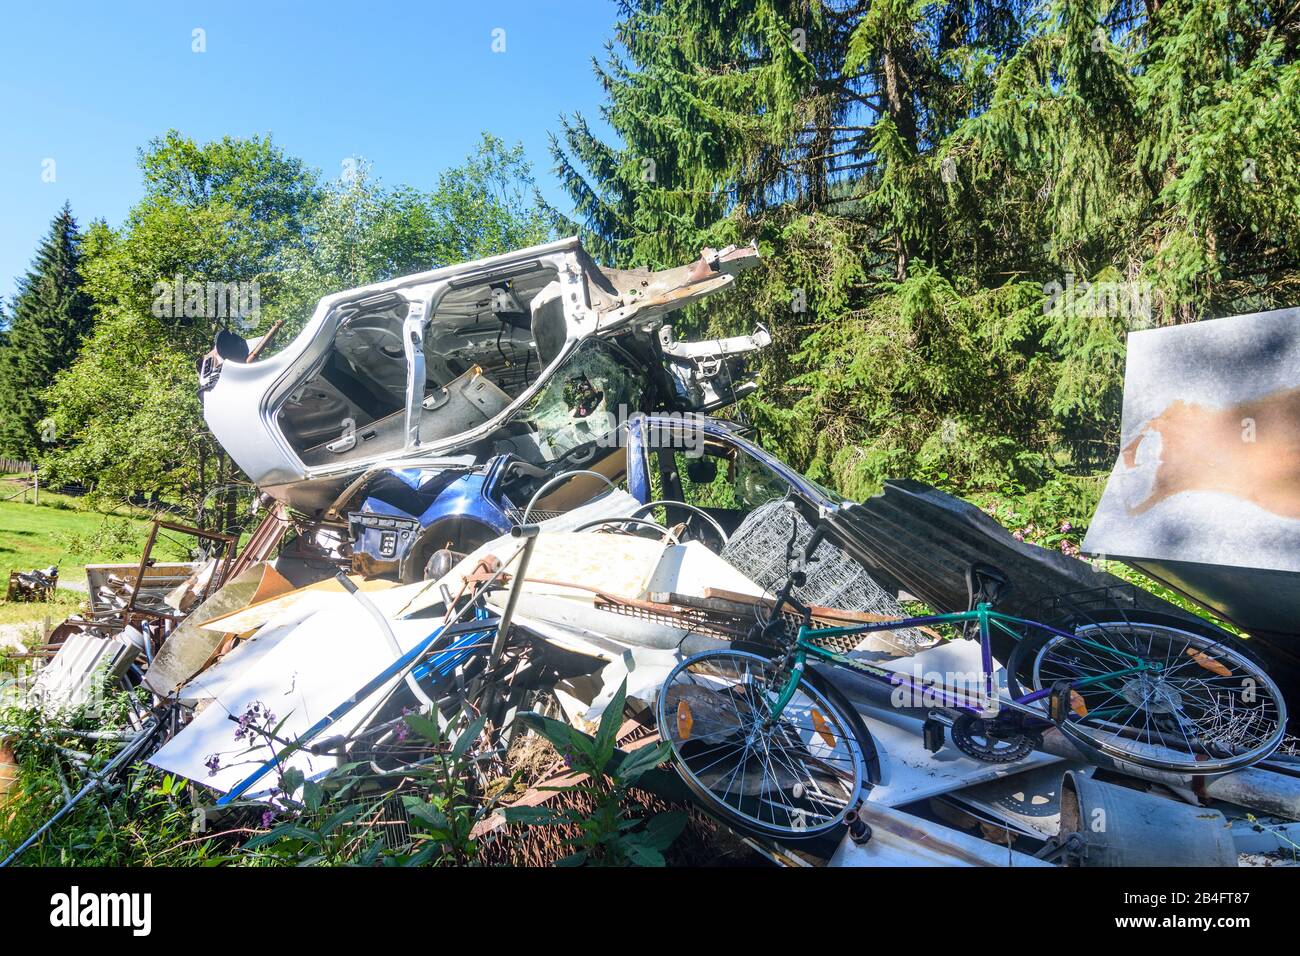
<point>771,745</point>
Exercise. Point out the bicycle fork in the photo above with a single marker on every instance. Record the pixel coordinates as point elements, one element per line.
<point>787,692</point>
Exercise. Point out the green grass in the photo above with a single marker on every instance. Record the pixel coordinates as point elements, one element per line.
<point>62,530</point>
<point>65,604</point>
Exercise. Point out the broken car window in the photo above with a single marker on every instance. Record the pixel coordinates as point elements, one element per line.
<point>584,402</point>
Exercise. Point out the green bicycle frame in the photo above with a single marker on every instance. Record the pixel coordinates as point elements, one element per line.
<point>986,619</point>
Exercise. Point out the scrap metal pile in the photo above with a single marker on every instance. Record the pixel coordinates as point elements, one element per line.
<point>33,585</point>
<point>493,492</point>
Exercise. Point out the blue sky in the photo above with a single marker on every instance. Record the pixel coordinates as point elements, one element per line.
<point>408,86</point>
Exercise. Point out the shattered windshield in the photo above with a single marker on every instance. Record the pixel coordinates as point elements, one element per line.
<point>596,388</point>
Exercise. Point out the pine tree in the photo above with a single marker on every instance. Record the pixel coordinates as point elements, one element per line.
<point>924,177</point>
<point>51,313</point>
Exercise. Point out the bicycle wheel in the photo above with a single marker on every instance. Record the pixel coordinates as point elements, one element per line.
<point>793,777</point>
<point>1208,707</point>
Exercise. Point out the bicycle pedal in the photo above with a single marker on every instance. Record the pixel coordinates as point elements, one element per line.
<point>932,735</point>
<point>1060,703</point>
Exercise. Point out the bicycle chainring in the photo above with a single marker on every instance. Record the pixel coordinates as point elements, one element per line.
<point>993,741</point>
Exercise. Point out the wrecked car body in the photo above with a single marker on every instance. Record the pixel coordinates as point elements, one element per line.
<point>403,517</point>
<point>533,356</point>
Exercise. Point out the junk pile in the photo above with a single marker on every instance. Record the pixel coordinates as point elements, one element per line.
<point>33,585</point>
<point>521,527</point>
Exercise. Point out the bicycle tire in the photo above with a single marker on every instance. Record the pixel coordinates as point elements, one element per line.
<point>839,724</point>
<point>1128,751</point>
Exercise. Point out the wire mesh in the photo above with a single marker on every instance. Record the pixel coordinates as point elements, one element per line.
<point>759,549</point>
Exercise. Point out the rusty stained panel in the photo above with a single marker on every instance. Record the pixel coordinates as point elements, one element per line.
<point>1205,494</point>
<point>1249,450</point>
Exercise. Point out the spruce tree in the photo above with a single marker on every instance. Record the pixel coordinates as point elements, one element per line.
<point>50,314</point>
<point>925,178</point>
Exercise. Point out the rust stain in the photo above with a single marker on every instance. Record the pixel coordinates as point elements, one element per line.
<point>8,770</point>
<point>1250,450</point>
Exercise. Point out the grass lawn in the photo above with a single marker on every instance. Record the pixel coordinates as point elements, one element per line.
<point>62,531</point>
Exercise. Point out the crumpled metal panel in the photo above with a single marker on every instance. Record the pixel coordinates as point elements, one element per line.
<point>923,540</point>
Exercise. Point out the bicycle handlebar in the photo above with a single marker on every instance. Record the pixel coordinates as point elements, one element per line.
<point>795,579</point>
<point>818,535</point>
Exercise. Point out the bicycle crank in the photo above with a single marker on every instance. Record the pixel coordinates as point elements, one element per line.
<point>993,740</point>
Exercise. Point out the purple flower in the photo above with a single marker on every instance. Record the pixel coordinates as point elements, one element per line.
<point>1018,535</point>
<point>213,764</point>
<point>268,817</point>
<point>403,730</point>
<point>1066,526</point>
<point>249,718</point>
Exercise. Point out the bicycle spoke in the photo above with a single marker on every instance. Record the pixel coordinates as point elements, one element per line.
<point>1179,709</point>
<point>798,772</point>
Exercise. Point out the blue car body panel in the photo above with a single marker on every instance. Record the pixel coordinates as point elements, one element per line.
<point>385,528</point>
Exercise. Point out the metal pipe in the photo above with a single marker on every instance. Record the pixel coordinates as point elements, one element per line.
<point>96,780</point>
<point>68,731</point>
<point>529,533</point>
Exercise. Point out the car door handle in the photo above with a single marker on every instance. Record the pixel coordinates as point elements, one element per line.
<point>340,445</point>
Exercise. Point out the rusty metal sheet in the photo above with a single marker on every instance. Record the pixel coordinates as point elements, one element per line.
<point>1205,494</point>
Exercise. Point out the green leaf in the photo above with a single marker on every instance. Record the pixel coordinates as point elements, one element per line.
<point>313,794</point>
<point>426,812</point>
<point>343,816</point>
<point>423,855</point>
<point>639,761</point>
<point>285,831</point>
<point>663,828</point>
<point>424,726</point>
<point>534,816</point>
<point>642,854</point>
<point>290,781</point>
<point>467,737</point>
<point>564,738</point>
<point>607,733</point>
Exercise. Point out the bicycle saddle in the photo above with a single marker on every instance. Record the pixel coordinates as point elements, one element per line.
<point>985,584</point>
